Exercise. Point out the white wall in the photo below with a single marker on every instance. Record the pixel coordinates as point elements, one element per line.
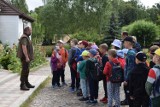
<point>20,28</point>
<point>9,29</point>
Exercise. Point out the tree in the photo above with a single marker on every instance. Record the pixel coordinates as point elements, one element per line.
<point>21,5</point>
<point>146,32</point>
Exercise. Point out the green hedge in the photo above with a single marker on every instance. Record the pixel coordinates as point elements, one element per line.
<point>146,32</point>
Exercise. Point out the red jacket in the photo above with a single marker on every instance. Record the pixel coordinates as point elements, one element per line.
<point>108,68</point>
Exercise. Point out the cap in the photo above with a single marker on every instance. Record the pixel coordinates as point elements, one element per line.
<point>117,43</point>
<point>120,53</point>
<point>85,53</point>
<point>141,56</point>
<point>129,39</point>
<point>85,43</point>
<point>157,52</point>
<point>93,52</point>
<point>61,41</point>
<point>94,46</point>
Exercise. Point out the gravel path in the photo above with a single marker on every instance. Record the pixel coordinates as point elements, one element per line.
<point>60,97</point>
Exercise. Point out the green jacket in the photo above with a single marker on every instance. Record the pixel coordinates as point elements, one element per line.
<point>82,69</point>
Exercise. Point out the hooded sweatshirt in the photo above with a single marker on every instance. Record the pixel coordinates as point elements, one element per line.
<point>137,80</point>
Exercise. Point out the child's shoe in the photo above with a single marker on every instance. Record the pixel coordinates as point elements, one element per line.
<point>84,99</point>
<point>72,90</point>
<point>91,102</point>
<point>104,100</point>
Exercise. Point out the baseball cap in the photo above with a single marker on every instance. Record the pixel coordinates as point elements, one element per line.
<point>141,56</point>
<point>129,39</point>
<point>93,52</point>
<point>85,43</point>
<point>117,43</point>
<point>85,53</point>
<point>61,41</point>
<point>157,52</point>
<point>94,46</point>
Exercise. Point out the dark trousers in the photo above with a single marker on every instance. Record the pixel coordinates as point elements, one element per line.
<point>62,75</point>
<point>55,79</point>
<point>140,102</point>
<point>75,80</point>
<point>93,88</point>
<point>126,91</point>
<point>105,86</point>
<point>24,72</point>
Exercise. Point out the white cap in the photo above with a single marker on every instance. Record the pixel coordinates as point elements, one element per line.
<point>61,41</point>
<point>117,43</point>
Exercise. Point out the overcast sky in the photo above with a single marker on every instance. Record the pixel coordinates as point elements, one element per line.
<point>32,4</point>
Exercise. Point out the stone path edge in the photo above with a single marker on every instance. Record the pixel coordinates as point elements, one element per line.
<point>22,100</point>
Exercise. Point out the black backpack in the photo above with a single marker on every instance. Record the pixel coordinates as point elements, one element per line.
<point>117,75</point>
<point>93,69</point>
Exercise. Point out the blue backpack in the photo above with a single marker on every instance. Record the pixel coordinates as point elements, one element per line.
<point>77,52</point>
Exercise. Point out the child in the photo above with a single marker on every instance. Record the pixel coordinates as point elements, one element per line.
<point>116,44</point>
<point>113,89</point>
<point>137,82</point>
<point>83,78</point>
<point>153,81</point>
<point>103,48</point>
<point>55,65</point>
<point>130,64</point>
<point>152,49</point>
<point>64,55</point>
<point>91,76</point>
<point>73,54</point>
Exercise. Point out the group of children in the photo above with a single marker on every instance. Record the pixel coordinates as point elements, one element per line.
<point>124,63</point>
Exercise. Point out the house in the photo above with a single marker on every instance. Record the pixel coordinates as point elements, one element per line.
<point>12,23</point>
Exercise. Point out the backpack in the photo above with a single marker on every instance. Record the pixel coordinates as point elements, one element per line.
<point>94,70</point>
<point>156,84</point>
<point>117,75</point>
<point>77,53</point>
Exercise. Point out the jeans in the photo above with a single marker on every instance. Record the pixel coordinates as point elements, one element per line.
<point>113,90</point>
<point>84,87</point>
<point>55,79</point>
<point>75,79</point>
<point>93,88</point>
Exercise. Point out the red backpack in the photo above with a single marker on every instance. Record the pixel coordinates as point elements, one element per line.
<point>122,61</point>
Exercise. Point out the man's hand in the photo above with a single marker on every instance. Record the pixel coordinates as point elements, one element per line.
<point>132,98</point>
<point>27,59</point>
<point>125,83</point>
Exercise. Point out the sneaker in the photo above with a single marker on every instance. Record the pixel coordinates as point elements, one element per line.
<point>84,99</point>
<point>59,86</point>
<point>64,84</point>
<point>53,86</point>
<point>72,90</point>
<point>91,102</point>
<point>124,102</point>
<point>79,94</point>
<point>104,100</point>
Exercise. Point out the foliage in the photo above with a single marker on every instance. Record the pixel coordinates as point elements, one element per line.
<point>9,60</point>
<point>38,28</point>
<point>39,56</point>
<point>48,50</point>
<point>21,5</point>
<point>91,37</point>
<point>146,32</point>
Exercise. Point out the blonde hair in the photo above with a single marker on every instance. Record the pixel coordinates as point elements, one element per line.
<point>112,53</point>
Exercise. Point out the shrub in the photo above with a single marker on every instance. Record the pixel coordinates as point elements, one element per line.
<point>48,50</point>
<point>89,36</point>
<point>146,32</point>
<point>9,60</point>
